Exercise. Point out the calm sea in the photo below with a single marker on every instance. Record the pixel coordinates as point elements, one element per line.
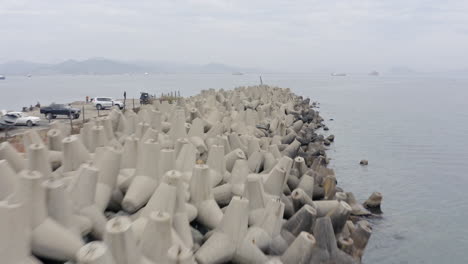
<point>412,129</point>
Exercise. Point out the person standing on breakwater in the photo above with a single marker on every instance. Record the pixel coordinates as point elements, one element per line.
<point>87,99</point>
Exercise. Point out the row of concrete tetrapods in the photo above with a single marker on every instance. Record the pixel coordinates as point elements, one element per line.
<point>225,176</point>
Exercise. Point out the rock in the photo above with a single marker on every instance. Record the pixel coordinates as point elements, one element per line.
<point>373,203</point>
<point>331,138</point>
<point>364,162</point>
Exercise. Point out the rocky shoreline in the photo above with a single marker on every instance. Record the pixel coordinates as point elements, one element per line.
<point>236,176</point>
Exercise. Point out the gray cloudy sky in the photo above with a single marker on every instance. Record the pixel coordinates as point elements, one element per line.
<point>284,35</point>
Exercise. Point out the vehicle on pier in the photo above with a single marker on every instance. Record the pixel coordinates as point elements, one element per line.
<point>54,110</point>
<point>19,119</point>
<point>106,103</point>
<point>146,98</point>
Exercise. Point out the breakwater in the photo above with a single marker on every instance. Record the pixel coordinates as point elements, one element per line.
<point>223,176</point>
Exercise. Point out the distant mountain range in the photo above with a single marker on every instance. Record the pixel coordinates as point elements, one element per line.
<point>107,66</point>
<point>102,66</point>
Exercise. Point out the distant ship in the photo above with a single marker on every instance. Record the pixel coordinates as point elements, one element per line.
<point>374,73</point>
<point>2,77</point>
<point>338,74</point>
<point>237,73</point>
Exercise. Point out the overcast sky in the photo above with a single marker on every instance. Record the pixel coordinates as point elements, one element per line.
<point>284,35</point>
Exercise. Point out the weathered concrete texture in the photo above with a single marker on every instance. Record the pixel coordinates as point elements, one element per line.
<point>235,176</point>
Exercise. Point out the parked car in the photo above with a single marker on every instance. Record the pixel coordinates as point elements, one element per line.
<point>106,102</point>
<point>54,110</point>
<point>19,119</point>
<point>145,98</point>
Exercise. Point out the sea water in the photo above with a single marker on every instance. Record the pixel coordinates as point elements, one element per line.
<point>413,130</point>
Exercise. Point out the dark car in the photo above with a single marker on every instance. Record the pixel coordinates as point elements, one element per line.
<point>146,98</point>
<point>54,110</point>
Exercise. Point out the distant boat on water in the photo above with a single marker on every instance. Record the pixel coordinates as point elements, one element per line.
<point>374,73</point>
<point>338,74</point>
<point>237,73</point>
<point>2,77</point>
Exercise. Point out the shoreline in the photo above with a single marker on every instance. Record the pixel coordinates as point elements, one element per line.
<point>257,142</point>
<point>90,113</point>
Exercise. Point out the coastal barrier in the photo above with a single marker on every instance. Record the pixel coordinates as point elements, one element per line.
<point>225,176</point>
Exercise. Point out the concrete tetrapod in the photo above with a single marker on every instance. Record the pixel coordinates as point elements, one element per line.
<point>235,186</point>
<point>95,252</point>
<point>178,125</point>
<point>269,161</point>
<point>98,138</point>
<point>146,180</point>
<point>8,180</point>
<point>357,209</point>
<point>166,199</point>
<point>180,218</point>
<point>31,137</point>
<point>16,234</point>
<point>300,250</point>
<point>122,243</point>
<point>166,162</point>
<point>82,192</point>
<point>338,211</point>
<point>60,208</point>
<point>48,239</point>
<point>373,203</point>
<point>221,246</point>
<point>8,153</point>
<point>248,252</point>
<point>157,237</point>
<point>300,165</point>
<point>180,255</point>
<point>327,250</point>
<point>256,161</point>
<point>74,153</point>
<point>360,237</point>
<point>231,158</point>
<point>217,163</point>
<point>38,160</point>
<point>129,153</point>
<point>107,160</point>
<point>273,149</point>
<point>302,221</point>
<point>178,144</point>
<point>254,192</point>
<point>273,217</point>
<point>239,174</point>
<point>197,129</point>
<point>306,183</point>
<point>268,227</point>
<point>275,181</point>
<point>209,213</point>
<point>186,159</point>
<point>54,139</point>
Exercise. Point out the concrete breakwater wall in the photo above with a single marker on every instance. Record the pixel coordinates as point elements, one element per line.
<point>225,176</point>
